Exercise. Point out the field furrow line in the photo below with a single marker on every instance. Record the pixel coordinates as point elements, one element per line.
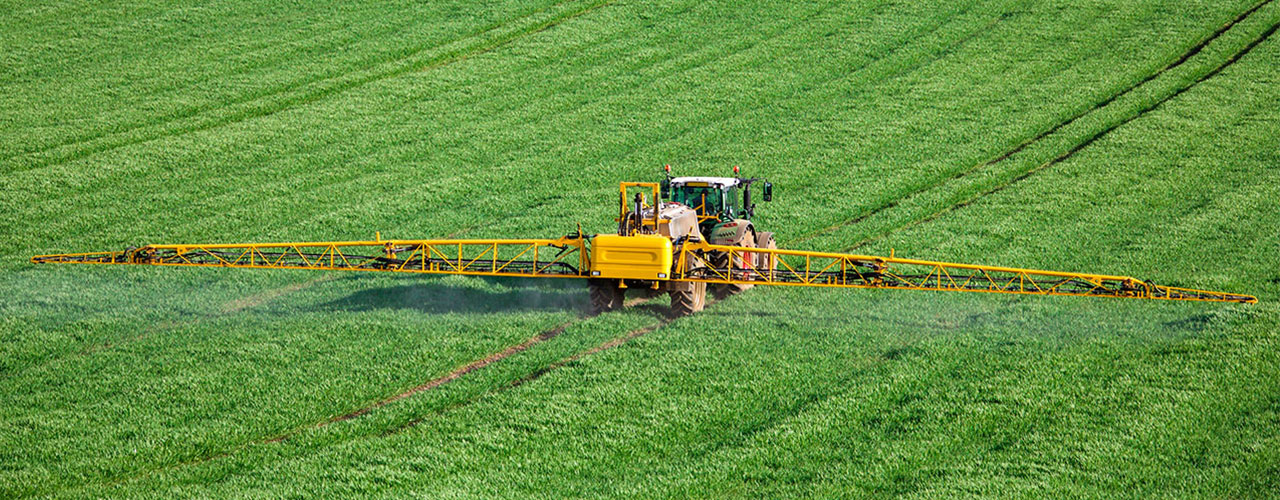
<point>228,308</point>
<point>691,127</point>
<point>278,90</point>
<point>536,374</point>
<point>1232,59</point>
<point>434,383</point>
<point>615,342</point>
<point>546,335</point>
<point>1021,146</point>
<point>319,90</point>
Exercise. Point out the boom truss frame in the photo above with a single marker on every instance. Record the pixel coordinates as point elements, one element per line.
<point>822,269</point>
<point>549,258</point>
<point>569,257</point>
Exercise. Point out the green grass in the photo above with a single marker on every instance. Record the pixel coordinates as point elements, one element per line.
<point>882,124</point>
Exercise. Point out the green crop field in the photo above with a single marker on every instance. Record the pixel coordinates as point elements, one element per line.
<point>1109,136</point>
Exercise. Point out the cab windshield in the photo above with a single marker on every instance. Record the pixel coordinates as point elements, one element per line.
<point>708,201</point>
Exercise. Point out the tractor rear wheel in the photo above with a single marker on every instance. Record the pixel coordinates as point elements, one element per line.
<point>722,291</point>
<point>736,266</point>
<point>733,269</point>
<point>605,296</point>
<point>688,301</point>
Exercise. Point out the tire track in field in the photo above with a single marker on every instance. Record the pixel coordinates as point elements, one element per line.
<point>431,384</point>
<point>1186,56</point>
<point>617,341</point>
<point>543,336</point>
<point>932,55</point>
<point>735,50</point>
<point>260,94</point>
<point>324,88</point>
<point>532,376</point>
<point>1235,57</point>
<point>452,88</point>
<point>635,301</point>
<point>167,325</point>
<point>226,309</point>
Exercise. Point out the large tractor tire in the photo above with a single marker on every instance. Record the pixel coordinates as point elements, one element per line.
<point>605,296</point>
<point>722,262</point>
<point>687,298</point>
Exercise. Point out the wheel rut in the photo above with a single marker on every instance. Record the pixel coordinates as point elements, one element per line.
<point>431,384</point>
<point>451,376</point>
<point>426,386</point>
<point>532,376</point>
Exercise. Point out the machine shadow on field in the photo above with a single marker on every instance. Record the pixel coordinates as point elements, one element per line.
<point>431,296</point>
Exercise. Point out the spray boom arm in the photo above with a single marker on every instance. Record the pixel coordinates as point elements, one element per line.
<point>571,257</point>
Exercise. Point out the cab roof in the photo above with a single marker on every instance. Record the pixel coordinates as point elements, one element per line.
<point>714,181</point>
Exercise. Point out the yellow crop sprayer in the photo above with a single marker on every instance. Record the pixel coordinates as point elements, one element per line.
<point>701,236</point>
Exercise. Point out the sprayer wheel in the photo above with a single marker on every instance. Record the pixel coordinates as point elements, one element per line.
<point>605,296</point>
<point>684,303</point>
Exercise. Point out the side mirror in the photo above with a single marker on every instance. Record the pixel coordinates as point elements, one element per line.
<point>665,188</point>
<point>768,192</point>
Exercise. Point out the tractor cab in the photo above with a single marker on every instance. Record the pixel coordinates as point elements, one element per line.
<point>715,199</point>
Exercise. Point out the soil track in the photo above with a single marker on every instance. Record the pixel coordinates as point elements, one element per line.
<point>264,297</point>
<point>498,356</point>
<point>615,342</point>
<point>536,374</point>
